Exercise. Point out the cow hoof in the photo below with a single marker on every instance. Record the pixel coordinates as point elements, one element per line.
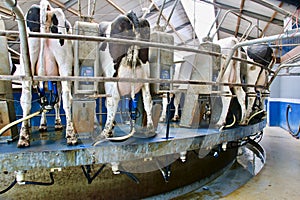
<point>24,138</point>
<point>162,119</point>
<point>72,141</point>
<point>58,127</point>
<point>43,128</point>
<point>175,118</point>
<point>150,131</point>
<point>23,143</point>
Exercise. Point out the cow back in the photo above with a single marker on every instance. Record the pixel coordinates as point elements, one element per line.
<point>121,28</point>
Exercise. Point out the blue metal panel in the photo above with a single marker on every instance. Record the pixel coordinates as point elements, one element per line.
<point>277,114</point>
<point>274,113</point>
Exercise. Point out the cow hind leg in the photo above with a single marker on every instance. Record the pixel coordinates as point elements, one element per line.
<point>43,123</point>
<point>225,106</point>
<point>111,105</point>
<point>58,125</point>
<point>148,106</point>
<point>67,98</point>
<point>164,109</point>
<point>26,99</point>
<point>176,105</point>
<point>241,97</point>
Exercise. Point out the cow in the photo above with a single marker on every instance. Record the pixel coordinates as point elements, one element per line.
<point>176,100</point>
<point>127,61</point>
<point>50,57</point>
<point>255,75</point>
<point>232,74</point>
<point>262,54</point>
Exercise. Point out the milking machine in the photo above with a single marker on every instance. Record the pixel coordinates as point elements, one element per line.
<point>86,64</point>
<point>162,60</point>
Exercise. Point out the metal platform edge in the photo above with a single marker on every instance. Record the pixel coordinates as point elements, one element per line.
<point>110,152</point>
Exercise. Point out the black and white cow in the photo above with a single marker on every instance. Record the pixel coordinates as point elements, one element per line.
<point>50,57</point>
<point>125,61</point>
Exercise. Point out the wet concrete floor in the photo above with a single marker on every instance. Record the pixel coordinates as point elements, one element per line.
<point>280,177</point>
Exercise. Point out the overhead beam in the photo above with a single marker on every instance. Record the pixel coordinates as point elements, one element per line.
<point>116,6</point>
<point>70,3</point>
<point>231,32</point>
<point>239,18</point>
<point>273,7</point>
<point>170,24</point>
<point>248,13</point>
<point>271,19</point>
<point>6,11</point>
<point>63,6</point>
<point>182,26</point>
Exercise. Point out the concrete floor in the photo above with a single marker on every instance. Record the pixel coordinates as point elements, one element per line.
<point>280,177</point>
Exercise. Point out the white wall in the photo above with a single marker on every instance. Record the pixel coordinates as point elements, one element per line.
<point>286,87</point>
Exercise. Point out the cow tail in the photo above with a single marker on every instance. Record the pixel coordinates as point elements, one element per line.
<point>44,6</point>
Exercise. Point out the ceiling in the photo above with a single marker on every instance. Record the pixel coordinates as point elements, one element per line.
<point>264,17</point>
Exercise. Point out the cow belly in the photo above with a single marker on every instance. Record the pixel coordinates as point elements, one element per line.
<point>125,87</point>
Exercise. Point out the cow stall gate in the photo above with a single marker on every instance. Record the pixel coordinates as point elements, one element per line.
<point>7,110</point>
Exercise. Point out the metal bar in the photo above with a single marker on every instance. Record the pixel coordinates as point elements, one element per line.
<point>123,41</point>
<point>171,26</point>
<point>225,15</point>
<point>214,22</point>
<point>171,13</point>
<point>160,12</point>
<point>288,34</point>
<point>23,36</point>
<point>118,79</point>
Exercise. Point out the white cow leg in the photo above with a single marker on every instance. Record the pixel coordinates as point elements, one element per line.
<point>225,106</point>
<point>164,109</point>
<point>26,99</point>
<point>67,101</point>
<point>148,106</point>
<point>176,105</point>
<point>43,123</point>
<point>58,126</point>
<point>241,97</point>
<point>111,105</point>
<point>250,104</point>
